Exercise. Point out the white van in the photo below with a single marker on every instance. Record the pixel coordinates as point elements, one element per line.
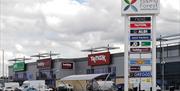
<point>11,86</point>
<point>36,84</point>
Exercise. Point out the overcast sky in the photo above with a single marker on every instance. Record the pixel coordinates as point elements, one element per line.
<point>29,27</point>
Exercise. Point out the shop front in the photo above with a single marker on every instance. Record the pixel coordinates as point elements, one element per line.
<point>19,69</point>
<point>101,63</point>
<point>45,71</point>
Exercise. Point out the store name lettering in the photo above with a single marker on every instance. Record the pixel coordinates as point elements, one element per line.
<point>149,4</point>
<point>41,64</point>
<point>98,58</point>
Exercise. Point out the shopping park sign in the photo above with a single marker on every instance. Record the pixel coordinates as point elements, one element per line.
<point>140,40</point>
<point>140,6</point>
<point>99,59</point>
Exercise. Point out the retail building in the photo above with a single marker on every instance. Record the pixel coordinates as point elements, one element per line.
<point>52,70</point>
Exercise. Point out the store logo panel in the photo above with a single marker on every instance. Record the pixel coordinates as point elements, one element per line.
<point>44,63</point>
<point>146,80</point>
<point>145,37</point>
<point>134,68</point>
<point>135,44</point>
<point>146,43</point>
<point>140,19</point>
<point>145,68</point>
<point>134,80</point>
<point>140,56</point>
<point>140,31</point>
<point>140,44</point>
<point>130,5</point>
<point>149,4</point>
<point>99,59</point>
<point>141,74</point>
<point>19,66</point>
<point>140,25</point>
<point>140,6</point>
<point>67,65</point>
<point>140,50</point>
<point>140,62</point>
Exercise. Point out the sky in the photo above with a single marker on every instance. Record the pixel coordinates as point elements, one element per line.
<point>29,27</point>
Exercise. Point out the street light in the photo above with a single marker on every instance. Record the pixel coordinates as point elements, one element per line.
<point>162,62</point>
<point>3,76</point>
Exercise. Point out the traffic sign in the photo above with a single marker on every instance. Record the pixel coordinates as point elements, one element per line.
<point>145,37</point>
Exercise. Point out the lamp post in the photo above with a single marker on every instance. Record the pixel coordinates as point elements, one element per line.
<point>2,52</point>
<point>162,62</point>
<point>162,67</point>
<point>163,73</point>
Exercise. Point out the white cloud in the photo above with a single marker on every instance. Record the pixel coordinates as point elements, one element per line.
<point>19,47</point>
<point>68,26</point>
<point>61,7</point>
<point>53,21</point>
<point>171,4</point>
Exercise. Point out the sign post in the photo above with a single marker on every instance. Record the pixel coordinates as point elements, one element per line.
<point>140,44</point>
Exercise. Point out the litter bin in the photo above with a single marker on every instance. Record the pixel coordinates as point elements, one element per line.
<point>171,88</point>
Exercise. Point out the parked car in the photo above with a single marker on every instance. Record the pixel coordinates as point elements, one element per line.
<point>65,87</point>
<point>1,88</point>
<point>9,89</point>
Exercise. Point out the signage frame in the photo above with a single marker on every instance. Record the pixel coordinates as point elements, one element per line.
<point>17,64</point>
<point>45,63</point>
<point>153,46</point>
<point>141,74</point>
<point>144,37</point>
<point>93,59</point>
<point>136,7</point>
<point>67,63</point>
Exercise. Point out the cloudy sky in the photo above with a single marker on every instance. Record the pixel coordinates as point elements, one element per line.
<point>29,27</point>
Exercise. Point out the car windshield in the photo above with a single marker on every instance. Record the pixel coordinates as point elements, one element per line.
<point>8,87</point>
<point>31,89</point>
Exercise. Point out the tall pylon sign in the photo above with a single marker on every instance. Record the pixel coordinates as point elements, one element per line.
<point>140,43</point>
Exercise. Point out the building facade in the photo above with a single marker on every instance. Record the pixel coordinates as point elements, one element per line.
<point>60,68</point>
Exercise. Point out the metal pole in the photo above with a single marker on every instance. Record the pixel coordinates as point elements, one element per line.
<point>126,84</point>
<point>154,54</point>
<point>3,65</point>
<point>50,54</point>
<point>163,63</point>
<point>160,58</point>
<point>163,76</point>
